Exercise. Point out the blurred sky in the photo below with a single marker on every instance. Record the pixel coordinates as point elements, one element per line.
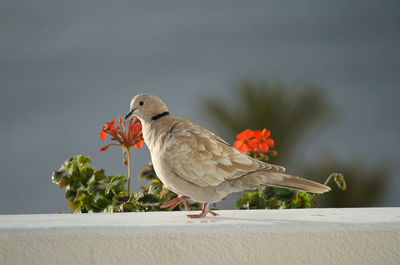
<point>67,67</point>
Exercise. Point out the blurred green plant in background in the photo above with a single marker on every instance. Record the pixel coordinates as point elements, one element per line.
<point>366,184</point>
<point>291,114</point>
<point>295,114</point>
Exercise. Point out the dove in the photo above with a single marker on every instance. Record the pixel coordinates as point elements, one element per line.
<point>197,164</point>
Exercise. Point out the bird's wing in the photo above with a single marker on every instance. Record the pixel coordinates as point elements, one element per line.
<point>203,158</point>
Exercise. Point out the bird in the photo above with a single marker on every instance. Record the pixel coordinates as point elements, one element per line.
<point>197,164</point>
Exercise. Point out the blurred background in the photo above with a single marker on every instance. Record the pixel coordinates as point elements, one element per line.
<point>322,77</point>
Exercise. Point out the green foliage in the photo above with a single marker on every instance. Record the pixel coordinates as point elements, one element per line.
<point>89,190</point>
<point>274,198</point>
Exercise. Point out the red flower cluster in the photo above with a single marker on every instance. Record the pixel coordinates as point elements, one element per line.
<point>250,140</point>
<point>126,136</point>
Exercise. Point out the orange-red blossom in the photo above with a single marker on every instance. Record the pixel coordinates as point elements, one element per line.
<point>126,136</point>
<point>256,141</point>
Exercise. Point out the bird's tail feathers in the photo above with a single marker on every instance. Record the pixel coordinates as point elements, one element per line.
<point>258,179</point>
<point>295,183</point>
<point>254,180</point>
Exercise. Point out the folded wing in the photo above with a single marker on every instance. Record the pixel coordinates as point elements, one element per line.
<point>201,157</point>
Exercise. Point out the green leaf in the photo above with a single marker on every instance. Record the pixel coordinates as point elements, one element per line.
<point>74,183</point>
<point>102,203</point>
<point>281,194</point>
<point>86,173</point>
<point>59,174</point>
<point>295,203</point>
<point>155,187</point>
<point>73,205</point>
<point>339,180</point>
<point>111,185</point>
<point>99,174</point>
<point>64,182</point>
<point>88,189</point>
<point>148,172</point>
<point>70,194</point>
<point>85,198</point>
<point>146,199</point>
<point>83,159</point>
<point>307,204</point>
<point>250,200</point>
<point>129,206</point>
<point>243,201</point>
<point>94,187</point>
<point>117,183</point>
<point>121,198</point>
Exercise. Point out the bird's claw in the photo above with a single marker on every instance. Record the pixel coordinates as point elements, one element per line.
<point>203,213</point>
<point>176,201</point>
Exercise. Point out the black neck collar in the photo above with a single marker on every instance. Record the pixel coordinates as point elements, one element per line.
<point>158,116</point>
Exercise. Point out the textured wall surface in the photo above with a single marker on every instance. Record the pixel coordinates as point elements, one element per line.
<point>304,236</point>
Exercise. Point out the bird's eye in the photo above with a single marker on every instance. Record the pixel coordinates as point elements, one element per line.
<point>141,103</point>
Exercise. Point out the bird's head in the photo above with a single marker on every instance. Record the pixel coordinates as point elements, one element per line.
<point>146,107</point>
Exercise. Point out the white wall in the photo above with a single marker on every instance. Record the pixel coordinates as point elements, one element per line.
<point>304,236</point>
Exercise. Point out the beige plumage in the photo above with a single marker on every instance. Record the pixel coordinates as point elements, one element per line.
<point>195,163</point>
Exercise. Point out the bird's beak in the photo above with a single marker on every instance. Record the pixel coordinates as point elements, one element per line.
<point>130,113</point>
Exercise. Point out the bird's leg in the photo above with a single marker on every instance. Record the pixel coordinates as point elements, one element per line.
<point>203,213</point>
<point>186,205</point>
<point>176,201</point>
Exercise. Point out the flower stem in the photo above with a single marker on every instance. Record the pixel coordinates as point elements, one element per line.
<point>328,179</point>
<point>129,170</point>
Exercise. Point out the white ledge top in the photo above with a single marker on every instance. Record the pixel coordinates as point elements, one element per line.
<point>271,220</point>
<point>298,236</point>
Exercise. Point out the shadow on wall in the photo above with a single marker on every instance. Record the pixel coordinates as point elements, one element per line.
<point>293,114</point>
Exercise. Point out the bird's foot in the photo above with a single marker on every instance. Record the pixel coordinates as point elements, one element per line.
<point>203,213</point>
<point>175,202</point>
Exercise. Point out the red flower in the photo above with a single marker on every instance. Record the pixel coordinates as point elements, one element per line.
<point>126,136</point>
<point>265,142</point>
<point>250,140</point>
<point>110,126</point>
<point>245,141</point>
<point>139,144</point>
<point>136,128</point>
